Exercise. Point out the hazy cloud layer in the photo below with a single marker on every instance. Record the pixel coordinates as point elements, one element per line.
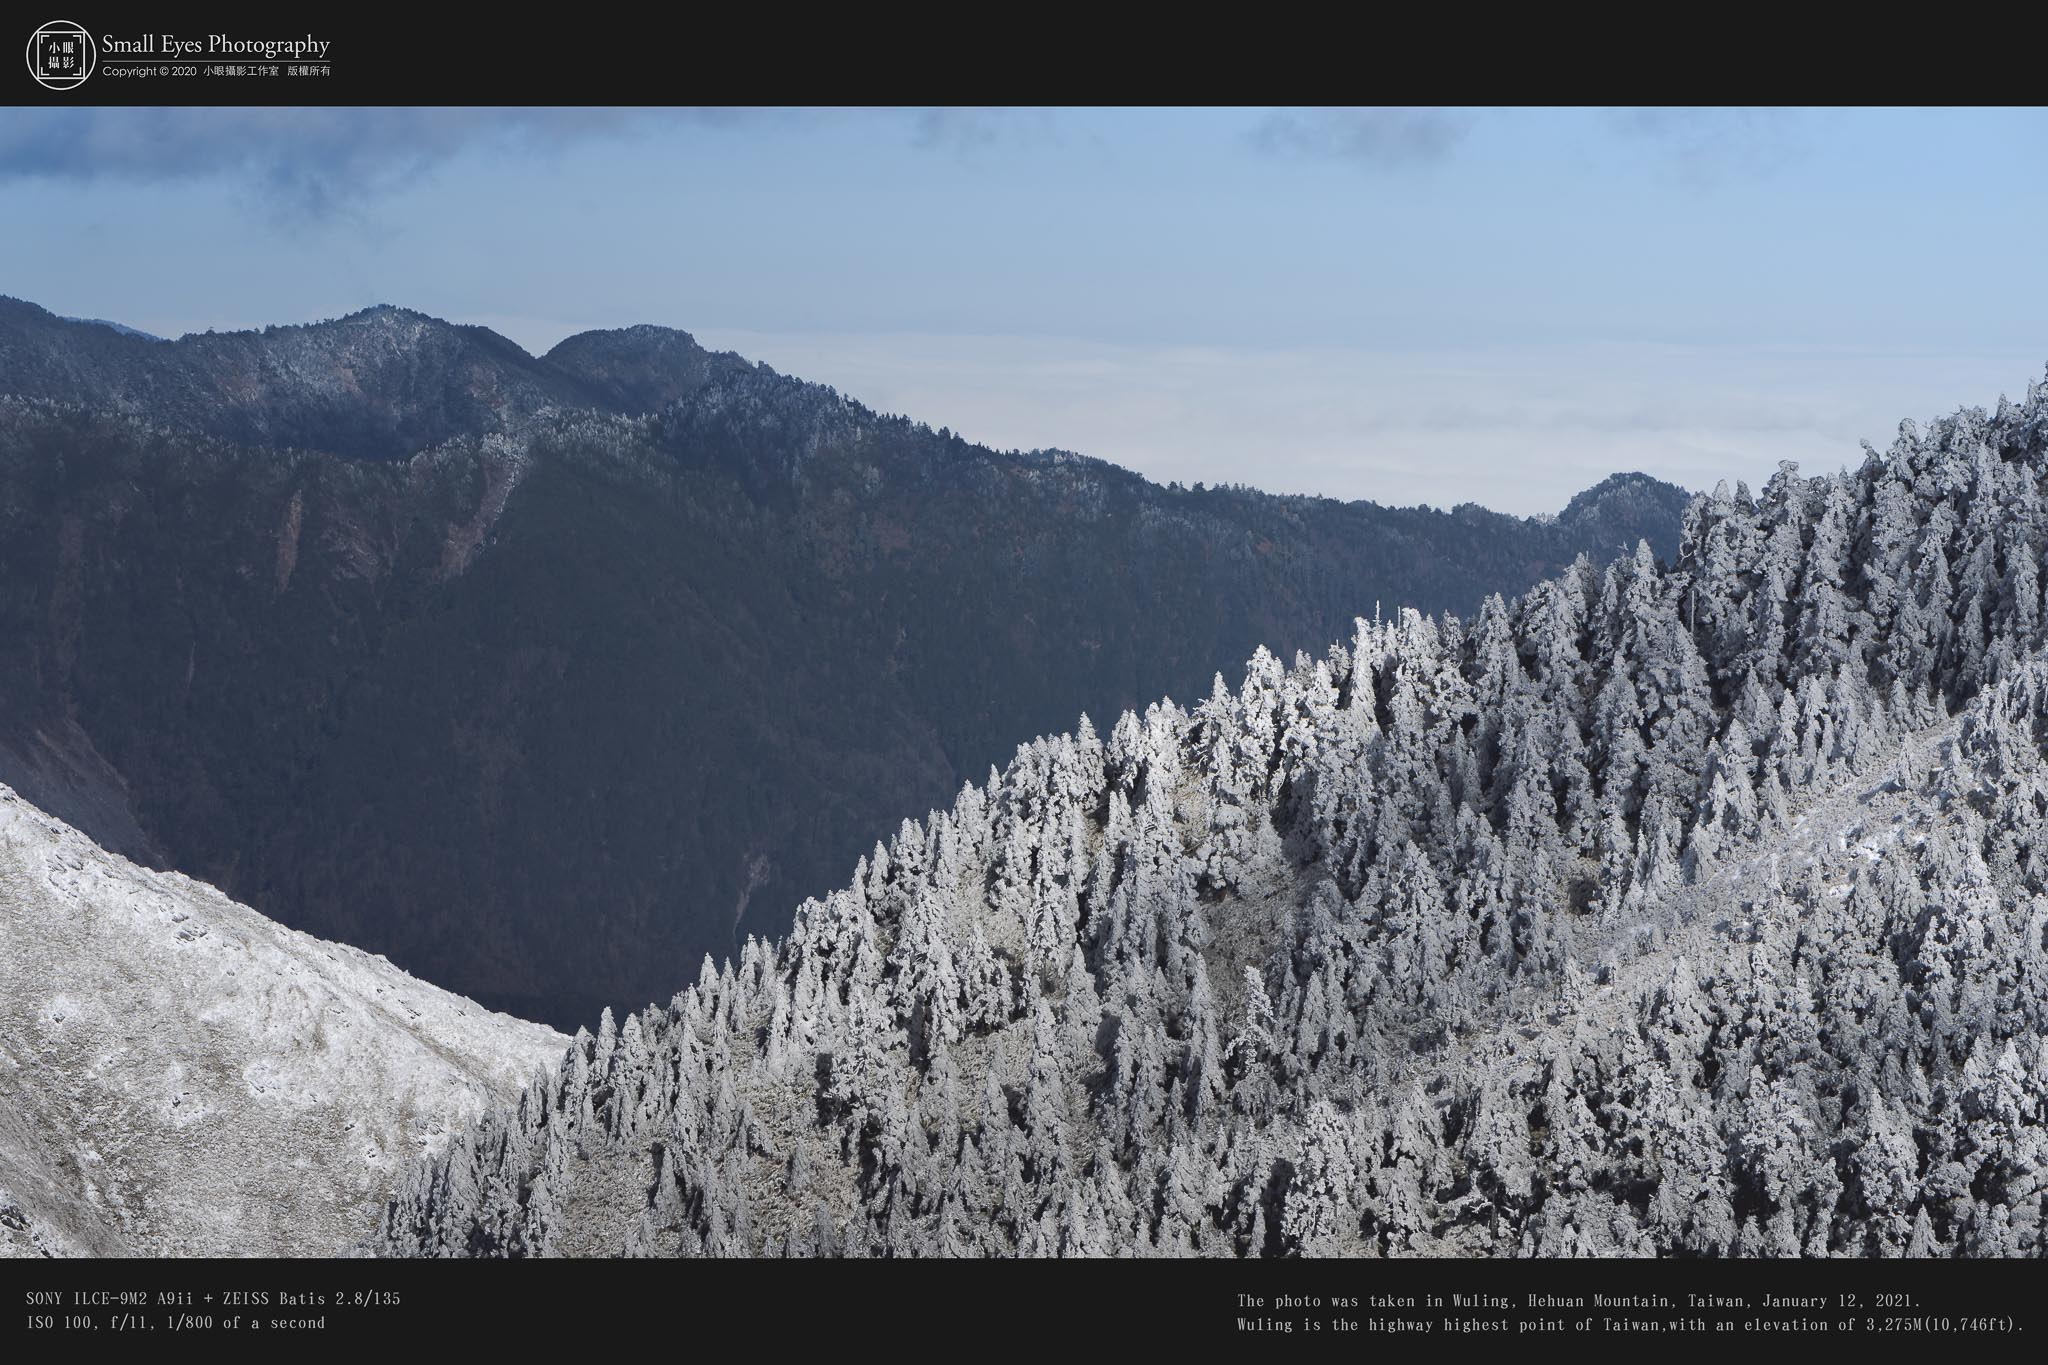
<point>1516,429</point>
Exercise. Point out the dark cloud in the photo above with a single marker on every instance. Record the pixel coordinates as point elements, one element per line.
<point>313,162</point>
<point>959,129</point>
<point>1704,145</point>
<point>1378,137</point>
<point>972,129</point>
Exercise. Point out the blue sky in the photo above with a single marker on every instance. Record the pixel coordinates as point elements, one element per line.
<point>1406,305</point>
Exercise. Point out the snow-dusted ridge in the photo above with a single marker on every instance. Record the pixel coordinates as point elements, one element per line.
<point>181,1076</point>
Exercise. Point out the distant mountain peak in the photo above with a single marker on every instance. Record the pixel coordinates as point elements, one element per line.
<point>1626,499</point>
<point>123,328</point>
<point>379,312</point>
<point>380,383</point>
<point>644,367</point>
<point>640,331</point>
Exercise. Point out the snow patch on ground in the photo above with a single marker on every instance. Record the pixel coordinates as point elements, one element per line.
<point>181,1076</point>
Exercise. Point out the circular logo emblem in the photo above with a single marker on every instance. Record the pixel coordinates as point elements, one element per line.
<point>60,55</point>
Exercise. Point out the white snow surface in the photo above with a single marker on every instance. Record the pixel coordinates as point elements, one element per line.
<point>181,1076</point>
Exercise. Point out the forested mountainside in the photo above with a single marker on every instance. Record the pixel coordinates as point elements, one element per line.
<point>1689,910</point>
<point>638,655</point>
<point>180,1076</point>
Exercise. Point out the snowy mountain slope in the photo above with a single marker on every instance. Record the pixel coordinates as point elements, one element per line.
<point>180,1076</point>
<point>1689,909</point>
<point>1620,1038</point>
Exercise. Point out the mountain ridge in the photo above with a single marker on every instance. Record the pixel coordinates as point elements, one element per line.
<point>632,370</point>
<point>550,705</point>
